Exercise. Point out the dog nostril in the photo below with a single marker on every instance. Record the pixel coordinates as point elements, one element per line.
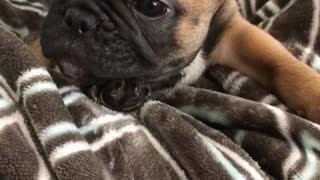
<point>80,21</point>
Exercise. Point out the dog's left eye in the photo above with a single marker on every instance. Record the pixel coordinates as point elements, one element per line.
<point>151,8</point>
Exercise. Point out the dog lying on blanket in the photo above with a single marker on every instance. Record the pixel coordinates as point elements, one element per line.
<point>119,50</point>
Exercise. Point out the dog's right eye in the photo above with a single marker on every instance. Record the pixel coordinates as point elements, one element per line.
<point>151,8</point>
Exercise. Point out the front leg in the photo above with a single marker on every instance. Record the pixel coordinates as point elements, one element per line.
<point>257,54</point>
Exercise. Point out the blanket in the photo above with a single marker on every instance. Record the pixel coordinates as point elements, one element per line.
<point>225,126</point>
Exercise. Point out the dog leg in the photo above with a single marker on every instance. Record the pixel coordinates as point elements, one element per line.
<point>257,54</point>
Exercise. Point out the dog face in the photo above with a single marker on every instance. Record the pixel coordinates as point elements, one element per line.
<point>95,40</point>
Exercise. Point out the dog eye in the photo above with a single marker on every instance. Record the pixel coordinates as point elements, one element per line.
<point>151,8</point>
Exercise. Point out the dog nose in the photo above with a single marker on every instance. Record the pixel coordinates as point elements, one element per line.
<point>80,20</point>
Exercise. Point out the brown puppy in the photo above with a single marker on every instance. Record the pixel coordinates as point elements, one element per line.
<point>90,39</point>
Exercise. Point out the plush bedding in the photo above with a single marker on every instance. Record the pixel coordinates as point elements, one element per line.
<point>225,126</point>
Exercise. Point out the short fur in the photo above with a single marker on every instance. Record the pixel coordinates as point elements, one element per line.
<point>159,49</point>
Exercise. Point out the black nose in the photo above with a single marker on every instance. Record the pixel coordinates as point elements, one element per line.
<point>80,20</point>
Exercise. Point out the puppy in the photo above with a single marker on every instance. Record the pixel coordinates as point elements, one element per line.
<point>119,49</point>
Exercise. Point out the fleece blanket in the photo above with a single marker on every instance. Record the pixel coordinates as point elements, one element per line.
<point>225,126</point>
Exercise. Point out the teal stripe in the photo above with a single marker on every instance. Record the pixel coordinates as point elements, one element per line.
<point>39,87</point>
<point>311,167</point>
<point>57,130</point>
<point>316,63</point>
<point>205,115</point>
<point>240,135</point>
<point>5,103</point>
<point>231,170</point>
<point>4,94</point>
<point>101,121</point>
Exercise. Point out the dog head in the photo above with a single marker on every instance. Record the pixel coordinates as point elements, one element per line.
<point>97,41</point>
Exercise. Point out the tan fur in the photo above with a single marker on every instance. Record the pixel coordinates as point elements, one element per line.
<point>245,48</point>
<point>36,48</point>
<point>251,51</point>
<point>188,35</point>
<point>257,54</point>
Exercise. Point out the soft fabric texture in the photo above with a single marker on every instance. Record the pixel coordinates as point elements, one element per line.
<point>220,128</point>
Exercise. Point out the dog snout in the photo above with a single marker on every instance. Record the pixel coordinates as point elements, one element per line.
<point>80,20</point>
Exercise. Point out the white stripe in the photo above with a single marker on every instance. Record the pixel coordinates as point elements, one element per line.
<point>239,137</point>
<point>38,87</point>
<point>5,104</point>
<point>72,98</point>
<point>271,21</point>
<point>238,160</point>
<point>9,120</point>
<point>113,135</point>
<point>274,8</point>
<point>29,75</point>
<point>22,1</point>
<point>16,117</point>
<point>22,31</point>
<point>117,134</point>
<point>7,89</point>
<point>253,6</point>
<point>29,8</point>
<point>68,149</point>
<point>33,4</point>
<point>236,87</point>
<point>102,121</point>
<point>5,99</point>
<point>43,172</point>
<point>303,50</point>
<point>306,52</point>
<point>316,62</point>
<point>164,154</point>
<point>282,107</point>
<point>314,30</point>
<point>56,130</point>
<point>262,15</point>
<point>144,110</point>
<point>311,167</point>
<point>4,95</point>
<point>66,89</point>
<point>229,80</point>
<point>243,8</point>
<point>219,156</point>
<point>284,127</point>
<point>269,99</point>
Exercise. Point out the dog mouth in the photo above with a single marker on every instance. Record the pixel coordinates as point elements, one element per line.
<point>125,94</point>
<point>120,95</point>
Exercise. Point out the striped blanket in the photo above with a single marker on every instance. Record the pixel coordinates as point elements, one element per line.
<point>225,126</point>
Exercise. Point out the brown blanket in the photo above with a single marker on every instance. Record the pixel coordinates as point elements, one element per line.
<point>50,130</point>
